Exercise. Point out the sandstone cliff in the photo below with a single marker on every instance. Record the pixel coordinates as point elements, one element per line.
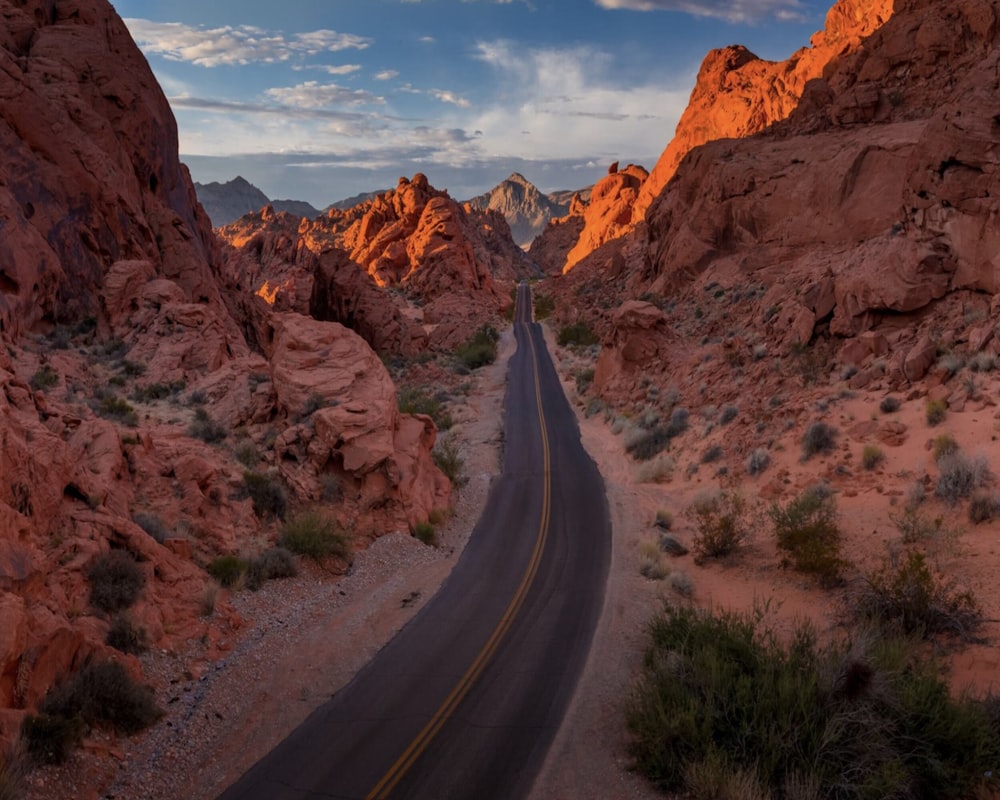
<point>131,405</point>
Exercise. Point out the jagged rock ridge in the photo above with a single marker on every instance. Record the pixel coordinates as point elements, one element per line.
<point>227,202</point>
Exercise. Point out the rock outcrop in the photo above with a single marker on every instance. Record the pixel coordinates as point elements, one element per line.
<point>227,202</point>
<point>523,205</point>
<point>127,385</point>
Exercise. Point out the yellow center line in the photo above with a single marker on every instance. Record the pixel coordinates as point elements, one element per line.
<point>423,739</point>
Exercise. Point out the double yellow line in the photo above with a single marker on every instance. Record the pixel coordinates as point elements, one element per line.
<point>423,739</point>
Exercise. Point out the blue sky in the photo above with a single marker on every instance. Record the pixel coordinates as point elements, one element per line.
<point>319,101</point>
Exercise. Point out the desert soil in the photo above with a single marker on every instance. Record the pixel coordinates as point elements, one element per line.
<point>304,638</point>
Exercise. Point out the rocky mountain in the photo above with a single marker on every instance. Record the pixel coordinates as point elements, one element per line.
<point>356,200</point>
<point>523,205</point>
<point>136,422</point>
<point>454,264</point>
<point>227,202</point>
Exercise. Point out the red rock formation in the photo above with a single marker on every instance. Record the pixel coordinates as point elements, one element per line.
<point>609,213</point>
<point>106,249</point>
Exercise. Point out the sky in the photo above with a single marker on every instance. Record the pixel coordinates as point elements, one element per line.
<point>320,100</point>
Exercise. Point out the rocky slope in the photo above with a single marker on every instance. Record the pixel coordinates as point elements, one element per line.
<point>131,405</point>
<point>226,202</point>
<point>523,205</point>
<point>435,270</point>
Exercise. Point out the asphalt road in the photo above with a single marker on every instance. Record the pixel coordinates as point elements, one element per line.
<point>464,702</point>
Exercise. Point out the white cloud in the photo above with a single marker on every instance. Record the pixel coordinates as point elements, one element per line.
<point>329,69</point>
<point>449,97</point>
<point>240,45</point>
<point>731,10</point>
<point>386,75</point>
<point>312,95</point>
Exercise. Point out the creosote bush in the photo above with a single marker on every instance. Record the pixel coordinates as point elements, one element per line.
<point>480,349</point>
<point>758,460</point>
<point>314,535</point>
<point>420,400</point>
<point>806,529</point>
<point>889,404</point>
<point>648,444</point>
<point>44,379</point>
<point>116,408</point>
<point>936,411</point>
<point>906,593</point>
<point>229,571</point>
<point>984,506</point>
<point>116,581</point>
<point>723,522</point>
<point>424,531</point>
<point>819,438</point>
<point>266,493</point>
<point>723,701</point>
<point>207,429</point>
<point>273,564</point>
<point>872,456</point>
<point>960,476</point>
<point>152,525</point>
<point>447,459</point>
<point>944,445</point>
<point>126,636</point>
<point>579,334</point>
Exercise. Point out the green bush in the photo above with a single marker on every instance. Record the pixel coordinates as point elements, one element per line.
<point>872,456</point>
<point>579,334</point>
<point>314,535</point>
<point>116,581</point>
<point>50,739</point>
<point>916,527</point>
<point>207,429</point>
<point>723,698</point>
<point>960,476</point>
<point>889,404</point>
<point>447,459</point>
<point>723,524</point>
<point>266,493</point>
<point>125,636</point>
<point>272,564</point>
<point>819,438</point>
<point>806,529</point>
<point>944,445</point>
<point>480,349</point>
<point>116,408</point>
<point>420,400</point>
<point>44,379</point>
<point>425,532</point>
<point>936,411</point>
<point>157,391</point>
<point>758,460</point>
<point>911,597</point>
<point>544,306</point>
<point>103,694</point>
<point>229,571</point>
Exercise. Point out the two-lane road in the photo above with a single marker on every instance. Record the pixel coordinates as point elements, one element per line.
<point>464,702</point>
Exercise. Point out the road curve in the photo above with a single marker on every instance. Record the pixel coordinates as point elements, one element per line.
<point>466,699</point>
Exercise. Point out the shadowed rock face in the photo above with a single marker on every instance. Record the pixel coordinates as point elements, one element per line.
<point>110,300</point>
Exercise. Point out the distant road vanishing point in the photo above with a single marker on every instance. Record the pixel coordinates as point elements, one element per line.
<point>465,701</point>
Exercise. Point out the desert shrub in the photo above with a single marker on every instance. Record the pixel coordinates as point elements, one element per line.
<point>712,454</point>
<point>819,438</point>
<point>656,470</point>
<point>447,459</point>
<point>207,429</point>
<point>758,460</point>
<point>544,306</point>
<point>983,362</point>
<point>44,379</point>
<point>889,404</point>
<point>116,581</point>
<point>916,527</point>
<point>907,594</point>
<point>152,525</point>
<point>648,444</point>
<point>578,334</point>
<point>198,397</point>
<point>126,636</point>
<point>266,493</point>
<point>652,563</point>
<point>857,720</point>
<point>681,583</point>
<point>984,506</point>
<point>871,456</point>
<point>960,476</point>
<point>314,535</point>
<point>723,524</point>
<point>50,739</point>
<point>951,363</point>
<point>330,484</point>
<point>111,407</point>
<point>157,391</point>
<point>944,445</point>
<point>728,414</point>
<point>246,454</point>
<point>272,564</point>
<point>420,400</point>
<point>935,411</point>
<point>424,531</point>
<point>103,694</point>
<point>664,519</point>
<point>806,529</point>
<point>480,349</point>
<point>133,369</point>
<point>229,571</point>
<point>583,379</point>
